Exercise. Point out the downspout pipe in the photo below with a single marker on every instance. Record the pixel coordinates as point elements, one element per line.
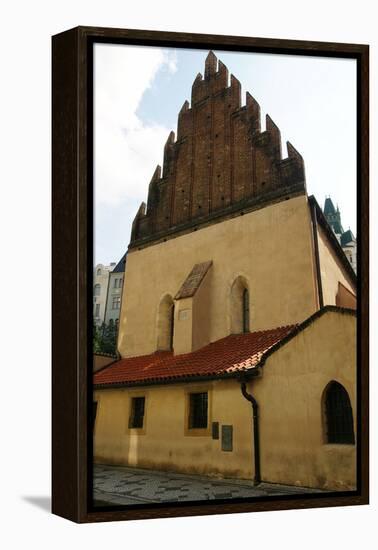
<point>256,435</point>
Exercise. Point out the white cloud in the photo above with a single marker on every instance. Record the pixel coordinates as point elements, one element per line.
<point>126,151</point>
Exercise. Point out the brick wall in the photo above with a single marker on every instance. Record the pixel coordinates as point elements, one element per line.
<point>220,158</point>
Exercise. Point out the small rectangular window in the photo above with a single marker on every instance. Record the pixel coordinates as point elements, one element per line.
<point>115,283</point>
<point>116,303</point>
<point>137,412</point>
<point>97,310</point>
<point>198,404</point>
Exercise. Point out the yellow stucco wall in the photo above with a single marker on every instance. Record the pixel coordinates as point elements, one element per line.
<point>270,247</point>
<point>293,448</point>
<point>165,442</point>
<point>289,393</point>
<point>332,271</point>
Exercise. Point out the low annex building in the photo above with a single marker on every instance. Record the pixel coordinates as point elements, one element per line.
<point>237,332</point>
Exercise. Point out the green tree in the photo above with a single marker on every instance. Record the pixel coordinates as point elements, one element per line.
<point>105,338</point>
<point>96,339</point>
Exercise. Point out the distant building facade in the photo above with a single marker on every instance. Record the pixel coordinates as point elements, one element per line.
<point>100,291</point>
<point>114,294</point>
<point>346,239</point>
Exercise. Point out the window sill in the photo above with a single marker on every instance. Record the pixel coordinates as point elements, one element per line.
<point>136,431</point>
<point>331,446</point>
<point>195,432</point>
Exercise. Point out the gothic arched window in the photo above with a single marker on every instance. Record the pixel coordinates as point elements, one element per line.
<point>245,310</point>
<point>240,313</point>
<point>338,415</point>
<point>165,324</point>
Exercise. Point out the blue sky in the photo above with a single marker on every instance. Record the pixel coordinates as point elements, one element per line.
<point>139,91</point>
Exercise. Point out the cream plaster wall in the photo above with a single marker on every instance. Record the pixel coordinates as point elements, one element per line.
<point>270,247</point>
<point>332,271</point>
<point>165,442</point>
<point>293,448</point>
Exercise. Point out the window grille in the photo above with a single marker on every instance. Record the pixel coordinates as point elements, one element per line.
<point>171,325</point>
<point>245,310</point>
<point>198,404</point>
<point>137,412</point>
<point>339,415</point>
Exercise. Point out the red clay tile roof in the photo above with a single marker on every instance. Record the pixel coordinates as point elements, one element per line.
<point>237,352</point>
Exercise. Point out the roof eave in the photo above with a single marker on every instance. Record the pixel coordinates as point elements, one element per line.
<point>245,374</point>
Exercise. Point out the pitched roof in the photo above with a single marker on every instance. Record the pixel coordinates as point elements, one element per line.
<point>193,280</point>
<point>225,357</point>
<point>120,267</point>
<point>347,237</point>
<point>328,207</point>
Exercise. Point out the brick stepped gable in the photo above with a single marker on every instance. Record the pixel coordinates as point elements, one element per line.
<point>220,162</point>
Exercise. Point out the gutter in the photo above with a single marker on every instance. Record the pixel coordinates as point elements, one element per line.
<point>166,381</point>
<point>256,436</point>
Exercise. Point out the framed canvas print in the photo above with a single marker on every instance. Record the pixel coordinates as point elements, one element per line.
<point>210,274</point>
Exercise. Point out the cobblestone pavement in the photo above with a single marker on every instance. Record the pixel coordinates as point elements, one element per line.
<point>118,485</point>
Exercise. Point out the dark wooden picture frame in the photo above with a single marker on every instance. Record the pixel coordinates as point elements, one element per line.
<point>72,174</point>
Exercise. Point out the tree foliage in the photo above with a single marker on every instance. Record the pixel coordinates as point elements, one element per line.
<point>105,338</point>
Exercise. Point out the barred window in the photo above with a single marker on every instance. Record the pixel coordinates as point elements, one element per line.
<point>338,415</point>
<point>245,310</point>
<point>137,412</point>
<point>240,306</point>
<point>171,325</point>
<point>198,405</point>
